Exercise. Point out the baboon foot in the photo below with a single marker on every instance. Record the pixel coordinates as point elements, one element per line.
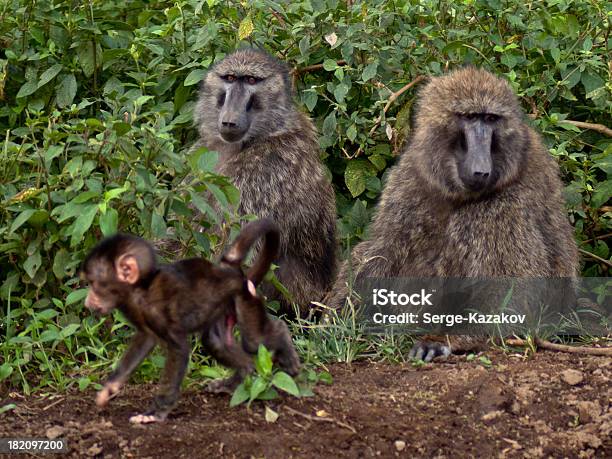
<point>428,350</point>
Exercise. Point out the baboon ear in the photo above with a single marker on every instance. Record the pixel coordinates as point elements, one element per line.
<point>126,268</point>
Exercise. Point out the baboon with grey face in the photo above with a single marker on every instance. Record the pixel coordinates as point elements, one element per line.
<point>270,151</point>
<point>475,194</point>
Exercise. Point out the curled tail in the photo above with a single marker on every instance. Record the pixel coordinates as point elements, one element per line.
<point>250,233</point>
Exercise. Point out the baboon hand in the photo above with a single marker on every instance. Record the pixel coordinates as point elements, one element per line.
<point>428,350</point>
<point>288,360</point>
<point>109,390</point>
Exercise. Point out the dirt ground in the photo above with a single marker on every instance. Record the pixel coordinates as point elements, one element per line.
<point>550,405</point>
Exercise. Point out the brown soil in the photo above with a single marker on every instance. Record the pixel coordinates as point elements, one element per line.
<point>551,405</point>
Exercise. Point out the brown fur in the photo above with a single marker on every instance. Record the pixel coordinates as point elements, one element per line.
<point>277,169</point>
<point>429,224</point>
<point>167,303</point>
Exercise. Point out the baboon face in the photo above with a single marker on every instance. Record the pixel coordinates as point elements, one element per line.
<point>472,138</point>
<point>244,96</point>
<point>473,149</point>
<point>110,276</point>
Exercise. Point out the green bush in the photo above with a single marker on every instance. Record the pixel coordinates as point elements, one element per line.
<point>97,100</point>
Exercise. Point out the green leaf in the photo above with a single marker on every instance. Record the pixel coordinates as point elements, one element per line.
<point>240,395</point>
<point>76,297</point>
<point>232,193</point>
<point>555,54</point>
<point>49,335</point>
<point>29,87</point>
<point>325,377</point>
<point>259,385</point>
<point>47,314</point>
<point>21,219</point>
<point>121,128</point>
<point>602,194</point>
<point>203,206</point>
<point>355,175</point>
<point>330,65</point>
<point>86,54</point>
<point>109,221</point>
<point>69,330</point>
<point>340,92</point>
<point>218,194</point>
<point>83,223</point>
<point>5,371</point>
<point>194,77</point>
<point>269,394</point>
<point>370,71</point>
<point>310,99</point>
<point>111,194</point>
<point>84,383</point>
<point>211,372</point>
<point>379,161</point>
<point>49,74</point>
<point>263,362</point>
<point>208,161</point>
<point>66,91</point>
<point>158,225</point>
<point>351,133</point>
<point>285,382</point>
<point>7,407</point>
<point>52,152</point>
<point>39,218</point>
<point>304,45</point>
<point>32,264</point>
<point>85,196</point>
<point>329,124</point>
<point>573,194</point>
<point>62,258</point>
<point>591,82</point>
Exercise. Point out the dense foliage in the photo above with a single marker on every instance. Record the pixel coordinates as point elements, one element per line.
<point>96,123</point>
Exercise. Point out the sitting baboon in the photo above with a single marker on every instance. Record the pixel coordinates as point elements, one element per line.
<point>474,194</point>
<point>270,151</point>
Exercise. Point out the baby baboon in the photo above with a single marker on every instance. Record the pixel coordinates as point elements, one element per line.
<point>475,194</point>
<point>270,151</point>
<point>167,303</point>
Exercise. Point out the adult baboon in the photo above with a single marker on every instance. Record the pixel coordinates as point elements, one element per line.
<point>475,194</point>
<point>270,151</point>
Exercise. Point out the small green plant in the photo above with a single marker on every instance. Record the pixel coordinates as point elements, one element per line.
<point>264,383</point>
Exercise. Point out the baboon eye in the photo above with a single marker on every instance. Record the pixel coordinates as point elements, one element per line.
<point>490,118</point>
<point>251,80</point>
<point>229,78</point>
<point>470,116</point>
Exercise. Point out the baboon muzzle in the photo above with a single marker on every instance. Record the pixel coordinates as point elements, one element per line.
<point>234,119</point>
<point>478,164</point>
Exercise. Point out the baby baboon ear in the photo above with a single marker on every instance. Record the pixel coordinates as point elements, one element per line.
<point>126,269</point>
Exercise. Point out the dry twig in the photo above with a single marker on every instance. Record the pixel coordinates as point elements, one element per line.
<point>592,255</point>
<point>392,99</point>
<point>592,126</point>
<point>544,344</point>
<point>317,419</point>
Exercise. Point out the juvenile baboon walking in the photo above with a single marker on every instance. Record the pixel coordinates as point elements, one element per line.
<point>270,151</point>
<point>475,194</point>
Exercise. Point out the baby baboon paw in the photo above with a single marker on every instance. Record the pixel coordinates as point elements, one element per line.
<point>109,390</point>
<point>147,418</point>
<point>428,350</point>
<point>289,362</point>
